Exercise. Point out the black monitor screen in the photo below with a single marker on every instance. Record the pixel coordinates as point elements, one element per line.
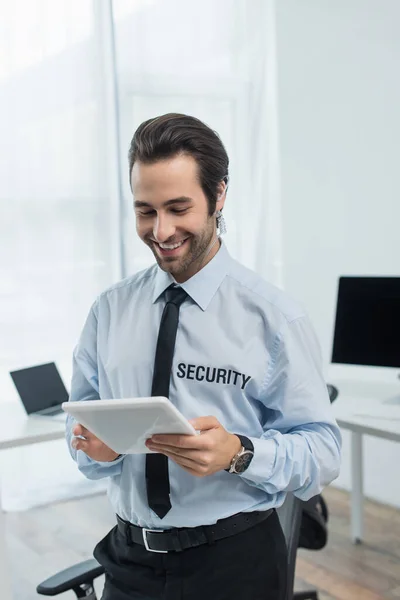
<point>367,327</point>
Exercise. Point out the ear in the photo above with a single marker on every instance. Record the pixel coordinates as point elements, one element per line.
<point>221,195</point>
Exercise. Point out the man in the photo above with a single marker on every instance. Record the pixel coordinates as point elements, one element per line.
<point>236,356</point>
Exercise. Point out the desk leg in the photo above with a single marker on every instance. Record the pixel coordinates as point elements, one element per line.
<point>357,494</point>
<point>5,580</point>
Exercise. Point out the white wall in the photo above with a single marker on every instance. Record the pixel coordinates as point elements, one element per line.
<point>339,110</point>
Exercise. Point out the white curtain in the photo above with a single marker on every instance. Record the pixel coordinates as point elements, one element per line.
<point>54,232</point>
<point>54,237</point>
<point>214,60</point>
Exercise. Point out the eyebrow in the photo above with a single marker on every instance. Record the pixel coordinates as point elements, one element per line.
<point>180,200</point>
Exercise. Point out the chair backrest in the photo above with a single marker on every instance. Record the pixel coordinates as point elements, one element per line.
<point>333,392</point>
<point>290,516</point>
<point>290,519</point>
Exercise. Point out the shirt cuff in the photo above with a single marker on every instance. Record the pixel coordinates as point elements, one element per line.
<point>105,463</point>
<point>263,461</point>
<point>111,462</point>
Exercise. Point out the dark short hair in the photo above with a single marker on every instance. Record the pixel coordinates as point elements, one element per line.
<point>173,134</point>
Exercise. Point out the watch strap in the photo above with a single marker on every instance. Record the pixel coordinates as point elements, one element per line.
<point>246,444</point>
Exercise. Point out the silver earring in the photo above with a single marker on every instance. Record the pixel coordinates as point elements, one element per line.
<point>221,223</point>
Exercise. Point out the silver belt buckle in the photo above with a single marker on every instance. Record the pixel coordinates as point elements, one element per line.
<point>146,543</point>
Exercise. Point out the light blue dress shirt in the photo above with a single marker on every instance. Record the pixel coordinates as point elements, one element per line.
<point>245,353</point>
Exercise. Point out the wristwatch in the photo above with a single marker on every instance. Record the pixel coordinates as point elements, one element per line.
<point>243,458</point>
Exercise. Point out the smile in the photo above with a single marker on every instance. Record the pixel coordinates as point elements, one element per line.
<point>170,249</point>
<point>171,246</point>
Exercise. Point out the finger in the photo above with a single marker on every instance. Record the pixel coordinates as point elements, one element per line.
<point>204,423</point>
<point>195,456</point>
<point>191,471</point>
<point>178,441</point>
<point>80,444</point>
<point>187,463</point>
<point>81,430</point>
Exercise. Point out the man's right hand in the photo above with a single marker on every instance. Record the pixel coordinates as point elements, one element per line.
<point>91,445</point>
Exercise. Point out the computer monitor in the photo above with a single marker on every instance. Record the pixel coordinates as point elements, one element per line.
<point>367,325</point>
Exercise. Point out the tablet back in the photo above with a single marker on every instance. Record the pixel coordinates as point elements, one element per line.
<point>125,425</point>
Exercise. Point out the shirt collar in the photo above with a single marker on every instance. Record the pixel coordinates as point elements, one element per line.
<point>203,285</point>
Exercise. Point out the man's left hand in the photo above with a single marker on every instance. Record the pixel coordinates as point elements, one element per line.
<point>199,455</point>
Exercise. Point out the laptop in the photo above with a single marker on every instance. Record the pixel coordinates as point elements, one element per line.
<point>41,389</point>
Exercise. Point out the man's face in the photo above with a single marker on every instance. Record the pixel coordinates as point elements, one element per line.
<point>172,214</point>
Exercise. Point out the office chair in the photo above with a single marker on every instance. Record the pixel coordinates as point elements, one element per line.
<point>290,515</point>
<point>332,391</point>
<point>304,523</point>
<point>80,577</point>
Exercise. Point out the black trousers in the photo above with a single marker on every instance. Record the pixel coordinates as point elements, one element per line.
<point>251,565</point>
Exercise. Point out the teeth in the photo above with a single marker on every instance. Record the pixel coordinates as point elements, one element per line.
<point>171,246</point>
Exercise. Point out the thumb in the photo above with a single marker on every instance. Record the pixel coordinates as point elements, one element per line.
<point>204,423</point>
<point>80,430</point>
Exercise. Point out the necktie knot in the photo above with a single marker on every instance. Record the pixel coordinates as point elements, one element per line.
<point>175,295</point>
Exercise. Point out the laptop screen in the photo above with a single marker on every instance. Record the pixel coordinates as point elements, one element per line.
<point>39,387</point>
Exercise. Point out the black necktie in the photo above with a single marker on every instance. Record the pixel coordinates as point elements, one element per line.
<point>157,478</point>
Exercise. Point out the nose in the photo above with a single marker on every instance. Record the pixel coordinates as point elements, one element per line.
<point>163,228</point>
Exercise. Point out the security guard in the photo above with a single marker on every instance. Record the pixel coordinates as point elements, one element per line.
<point>195,517</point>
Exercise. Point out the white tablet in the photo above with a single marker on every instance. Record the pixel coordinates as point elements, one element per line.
<point>125,425</point>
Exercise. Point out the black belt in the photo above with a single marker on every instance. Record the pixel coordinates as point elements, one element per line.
<point>178,539</point>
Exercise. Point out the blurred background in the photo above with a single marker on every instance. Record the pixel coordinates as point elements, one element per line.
<point>77,77</point>
<point>305,96</point>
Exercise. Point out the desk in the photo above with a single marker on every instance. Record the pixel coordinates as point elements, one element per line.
<point>362,408</point>
<point>17,429</point>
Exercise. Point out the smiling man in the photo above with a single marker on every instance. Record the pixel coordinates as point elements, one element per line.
<point>196,516</point>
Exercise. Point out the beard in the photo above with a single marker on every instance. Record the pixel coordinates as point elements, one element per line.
<point>197,249</point>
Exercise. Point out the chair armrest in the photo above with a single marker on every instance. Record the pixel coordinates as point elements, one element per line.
<point>79,574</point>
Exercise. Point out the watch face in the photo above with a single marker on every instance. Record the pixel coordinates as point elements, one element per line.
<point>243,461</point>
